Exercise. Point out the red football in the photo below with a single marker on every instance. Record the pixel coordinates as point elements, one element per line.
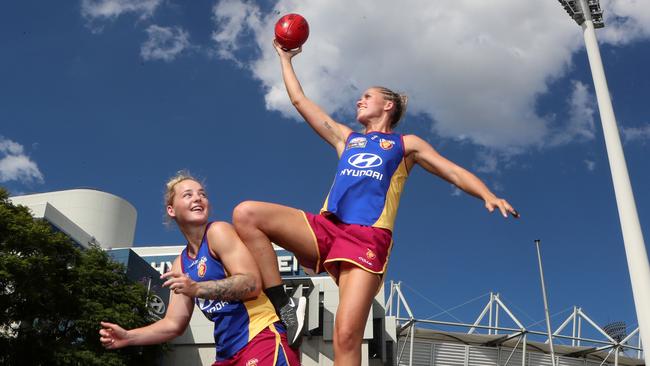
<point>291,31</point>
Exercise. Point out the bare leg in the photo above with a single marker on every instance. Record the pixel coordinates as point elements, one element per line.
<point>357,288</point>
<point>259,223</point>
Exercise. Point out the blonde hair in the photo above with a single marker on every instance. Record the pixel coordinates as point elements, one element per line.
<point>399,100</point>
<point>180,176</point>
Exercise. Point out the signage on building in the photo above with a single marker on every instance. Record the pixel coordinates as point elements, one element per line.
<point>287,263</point>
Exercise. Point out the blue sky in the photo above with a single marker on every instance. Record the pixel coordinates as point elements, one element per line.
<point>118,95</point>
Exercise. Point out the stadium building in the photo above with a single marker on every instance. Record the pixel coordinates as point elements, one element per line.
<point>91,217</point>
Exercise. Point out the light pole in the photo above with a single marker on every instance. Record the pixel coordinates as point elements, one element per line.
<point>546,312</point>
<point>587,13</point>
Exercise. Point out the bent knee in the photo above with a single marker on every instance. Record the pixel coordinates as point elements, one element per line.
<point>244,213</point>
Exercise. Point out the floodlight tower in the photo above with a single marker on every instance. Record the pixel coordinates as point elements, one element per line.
<point>588,14</point>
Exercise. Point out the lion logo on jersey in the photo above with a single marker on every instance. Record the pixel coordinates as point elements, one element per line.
<point>252,362</point>
<point>202,268</point>
<point>370,254</point>
<point>386,144</point>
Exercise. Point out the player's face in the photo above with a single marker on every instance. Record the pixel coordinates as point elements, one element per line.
<point>371,104</point>
<point>190,204</point>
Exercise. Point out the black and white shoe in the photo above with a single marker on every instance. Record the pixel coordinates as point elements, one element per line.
<point>292,316</point>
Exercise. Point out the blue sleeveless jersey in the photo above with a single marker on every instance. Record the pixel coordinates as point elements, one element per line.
<point>369,180</point>
<point>235,322</point>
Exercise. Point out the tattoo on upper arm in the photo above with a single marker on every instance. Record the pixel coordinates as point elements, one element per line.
<point>331,129</point>
<point>237,287</point>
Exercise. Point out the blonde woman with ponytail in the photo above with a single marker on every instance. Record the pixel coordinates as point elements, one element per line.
<point>351,237</point>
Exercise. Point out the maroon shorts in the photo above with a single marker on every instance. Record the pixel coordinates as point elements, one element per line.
<point>268,348</point>
<point>367,247</point>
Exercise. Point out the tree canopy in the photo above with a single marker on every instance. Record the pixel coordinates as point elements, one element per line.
<point>53,296</point>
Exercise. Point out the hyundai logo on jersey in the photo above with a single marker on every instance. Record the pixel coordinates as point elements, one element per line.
<point>362,173</point>
<point>365,160</point>
<point>210,306</point>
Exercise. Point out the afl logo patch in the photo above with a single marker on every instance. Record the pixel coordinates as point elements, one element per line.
<point>386,144</point>
<point>365,160</point>
<point>202,268</point>
<point>370,254</point>
<point>357,142</point>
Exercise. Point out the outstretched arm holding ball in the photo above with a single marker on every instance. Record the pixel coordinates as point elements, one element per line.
<point>331,131</point>
<point>351,237</point>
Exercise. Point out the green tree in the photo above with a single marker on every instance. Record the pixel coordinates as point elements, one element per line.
<point>53,296</point>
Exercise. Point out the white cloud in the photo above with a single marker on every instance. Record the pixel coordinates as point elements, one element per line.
<point>110,9</point>
<point>580,125</point>
<point>625,21</point>
<point>164,43</point>
<point>234,17</point>
<point>10,147</point>
<point>474,68</point>
<point>636,133</point>
<point>487,162</point>
<point>591,165</point>
<point>476,77</point>
<point>15,165</point>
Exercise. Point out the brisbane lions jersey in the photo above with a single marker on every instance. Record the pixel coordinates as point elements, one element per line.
<point>369,180</point>
<point>235,322</point>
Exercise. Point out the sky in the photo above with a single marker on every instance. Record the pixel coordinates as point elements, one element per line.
<point>118,95</point>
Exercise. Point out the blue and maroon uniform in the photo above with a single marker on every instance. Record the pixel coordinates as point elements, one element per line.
<point>357,218</point>
<point>369,180</point>
<point>243,330</point>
